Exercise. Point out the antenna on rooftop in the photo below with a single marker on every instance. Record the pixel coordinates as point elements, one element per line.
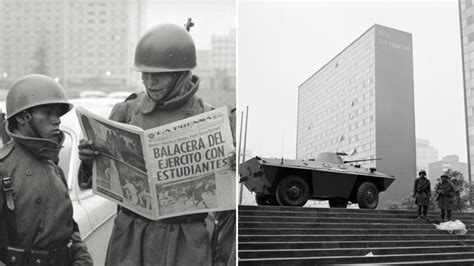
<point>282,142</point>
<point>245,144</point>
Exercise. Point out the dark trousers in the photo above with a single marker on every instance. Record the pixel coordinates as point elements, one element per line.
<point>425,210</point>
<point>442,214</point>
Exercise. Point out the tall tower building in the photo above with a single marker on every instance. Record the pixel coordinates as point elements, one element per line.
<point>86,44</point>
<point>466,20</point>
<point>361,102</point>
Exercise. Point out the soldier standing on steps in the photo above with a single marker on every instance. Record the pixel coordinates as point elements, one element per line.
<point>445,191</point>
<point>422,193</point>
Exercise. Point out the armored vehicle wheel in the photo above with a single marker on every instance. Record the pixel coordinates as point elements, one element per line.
<point>292,191</point>
<point>367,196</point>
<point>337,203</point>
<point>266,200</point>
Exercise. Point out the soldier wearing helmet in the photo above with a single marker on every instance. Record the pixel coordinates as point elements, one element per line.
<point>36,223</point>
<point>165,56</point>
<point>445,196</point>
<point>422,194</point>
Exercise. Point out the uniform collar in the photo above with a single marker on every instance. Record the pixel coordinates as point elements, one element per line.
<point>44,149</point>
<point>184,90</point>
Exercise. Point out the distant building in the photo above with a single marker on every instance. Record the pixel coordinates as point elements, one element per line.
<point>216,68</point>
<point>204,68</point>
<point>362,102</point>
<point>447,162</point>
<point>101,40</point>
<point>32,39</point>
<point>466,19</point>
<point>425,154</point>
<point>87,44</point>
<point>223,54</point>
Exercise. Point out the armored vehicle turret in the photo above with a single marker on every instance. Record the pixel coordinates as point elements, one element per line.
<point>293,182</point>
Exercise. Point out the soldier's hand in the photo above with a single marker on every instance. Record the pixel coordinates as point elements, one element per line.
<point>232,160</point>
<point>87,152</point>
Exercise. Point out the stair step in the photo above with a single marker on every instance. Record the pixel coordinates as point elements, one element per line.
<point>374,215</point>
<point>441,236</point>
<point>376,251</point>
<point>336,225</point>
<point>281,218</point>
<point>460,262</point>
<point>408,258</point>
<point>288,209</point>
<point>254,245</point>
<point>332,231</point>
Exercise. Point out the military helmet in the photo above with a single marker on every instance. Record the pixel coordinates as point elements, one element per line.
<point>422,172</point>
<point>444,176</point>
<point>35,90</point>
<point>165,48</point>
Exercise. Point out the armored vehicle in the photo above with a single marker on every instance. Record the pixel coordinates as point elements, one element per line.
<point>293,182</point>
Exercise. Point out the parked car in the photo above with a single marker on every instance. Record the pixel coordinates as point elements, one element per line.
<point>92,94</point>
<point>93,213</point>
<point>120,95</point>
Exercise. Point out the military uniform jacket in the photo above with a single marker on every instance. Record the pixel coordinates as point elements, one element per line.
<point>445,197</point>
<point>422,191</point>
<point>43,209</point>
<point>136,240</point>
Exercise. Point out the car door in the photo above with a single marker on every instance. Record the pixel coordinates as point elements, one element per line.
<point>93,213</point>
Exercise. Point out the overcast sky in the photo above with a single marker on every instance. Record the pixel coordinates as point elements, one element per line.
<point>211,17</point>
<point>281,44</point>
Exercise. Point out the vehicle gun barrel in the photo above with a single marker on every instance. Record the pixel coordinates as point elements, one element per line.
<point>362,160</point>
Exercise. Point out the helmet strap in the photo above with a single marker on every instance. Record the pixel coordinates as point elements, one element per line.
<point>32,125</point>
<point>172,84</point>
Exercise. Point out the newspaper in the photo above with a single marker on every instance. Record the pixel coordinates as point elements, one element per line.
<point>176,169</point>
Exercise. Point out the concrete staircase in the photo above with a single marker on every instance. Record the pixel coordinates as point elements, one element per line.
<point>274,235</point>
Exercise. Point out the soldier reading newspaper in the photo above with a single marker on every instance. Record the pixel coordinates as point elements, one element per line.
<point>176,169</point>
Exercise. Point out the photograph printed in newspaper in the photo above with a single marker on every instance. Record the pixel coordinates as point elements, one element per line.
<point>176,169</point>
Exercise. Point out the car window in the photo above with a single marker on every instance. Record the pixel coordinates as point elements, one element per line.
<point>65,154</point>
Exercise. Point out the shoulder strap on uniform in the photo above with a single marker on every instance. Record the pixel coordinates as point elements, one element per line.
<point>131,97</point>
<point>6,181</point>
<point>7,188</point>
<point>8,228</point>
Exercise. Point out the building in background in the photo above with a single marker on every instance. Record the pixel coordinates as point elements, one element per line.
<point>466,20</point>
<point>223,59</point>
<point>204,68</point>
<point>32,39</point>
<point>216,68</point>
<point>100,43</point>
<point>85,44</point>
<point>425,154</point>
<point>361,102</point>
<point>447,162</point>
